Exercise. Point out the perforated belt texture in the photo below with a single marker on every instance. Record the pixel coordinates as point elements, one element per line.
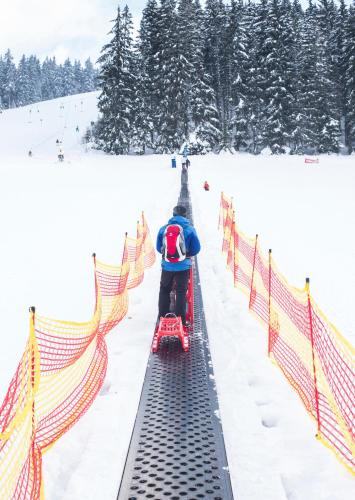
<point>177,448</point>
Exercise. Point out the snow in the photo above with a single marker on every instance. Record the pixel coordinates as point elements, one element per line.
<point>54,215</point>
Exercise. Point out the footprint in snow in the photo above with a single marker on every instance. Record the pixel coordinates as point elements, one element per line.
<point>269,421</point>
<point>262,402</point>
<point>253,381</point>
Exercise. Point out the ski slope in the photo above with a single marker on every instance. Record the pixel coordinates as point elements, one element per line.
<point>54,215</point>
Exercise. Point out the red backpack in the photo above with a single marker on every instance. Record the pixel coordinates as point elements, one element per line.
<point>174,248</point>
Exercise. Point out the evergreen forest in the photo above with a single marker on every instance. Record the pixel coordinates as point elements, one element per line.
<point>242,75</point>
<point>30,81</point>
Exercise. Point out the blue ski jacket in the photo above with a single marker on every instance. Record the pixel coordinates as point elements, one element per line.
<point>191,241</point>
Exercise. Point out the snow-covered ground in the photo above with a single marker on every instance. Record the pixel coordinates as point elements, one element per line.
<point>54,215</point>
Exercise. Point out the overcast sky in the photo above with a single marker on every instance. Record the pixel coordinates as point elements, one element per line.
<point>66,28</point>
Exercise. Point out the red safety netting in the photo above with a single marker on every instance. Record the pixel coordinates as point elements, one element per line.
<point>314,357</point>
<point>62,371</point>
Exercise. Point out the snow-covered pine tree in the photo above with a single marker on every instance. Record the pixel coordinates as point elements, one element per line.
<point>23,83</point>
<point>89,77</point>
<point>28,81</point>
<point>259,53</point>
<point>169,81</point>
<point>242,74</point>
<point>277,49</point>
<point>298,122</point>
<point>217,62</point>
<point>205,134</point>
<point>78,77</point>
<point>113,132</point>
<point>328,113</point>
<point>308,88</point>
<point>49,75</point>
<point>8,81</point>
<point>143,130</point>
<point>187,62</point>
<point>68,83</point>
<point>338,62</point>
<point>148,45</point>
<point>227,18</point>
<point>35,72</point>
<point>349,82</point>
<point>197,112</point>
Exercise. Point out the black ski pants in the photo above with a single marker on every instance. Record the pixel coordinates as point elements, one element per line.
<point>181,279</point>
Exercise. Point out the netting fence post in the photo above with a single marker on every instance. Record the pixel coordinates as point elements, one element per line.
<point>316,394</point>
<point>220,211</point>
<point>34,380</point>
<point>33,367</point>
<point>252,273</point>
<point>230,252</point>
<point>96,283</point>
<point>269,329</point>
<point>137,240</point>
<point>143,228</point>
<point>235,254</point>
<point>124,257</point>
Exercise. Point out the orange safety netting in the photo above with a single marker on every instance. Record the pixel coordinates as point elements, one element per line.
<point>314,357</point>
<point>61,372</point>
<point>141,254</point>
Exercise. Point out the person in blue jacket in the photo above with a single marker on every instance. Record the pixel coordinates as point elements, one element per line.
<point>177,271</point>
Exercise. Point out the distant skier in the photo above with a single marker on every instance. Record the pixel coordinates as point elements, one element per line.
<point>77,128</point>
<point>57,141</point>
<point>61,156</point>
<point>30,153</point>
<point>187,163</point>
<point>206,186</point>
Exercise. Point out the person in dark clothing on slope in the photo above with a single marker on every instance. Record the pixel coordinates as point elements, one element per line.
<point>177,267</point>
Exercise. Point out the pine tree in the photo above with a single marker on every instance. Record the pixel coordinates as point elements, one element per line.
<point>78,84</point>
<point>259,75</point>
<point>308,92</point>
<point>349,83</point>
<point>148,46</point>
<point>68,83</point>
<point>339,64</point>
<point>241,74</point>
<point>217,63</point>
<point>36,78</point>
<point>49,79</point>
<point>169,82</point>
<point>274,80</point>
<point>298,82</point>
<point>328,119</point>
<point>117,82</point>
<point>143,130</point>
<point>187,62</point>
<point>8,79</point>
<point>23,84</point>
<point>89,77</point>
<point>205,134</point>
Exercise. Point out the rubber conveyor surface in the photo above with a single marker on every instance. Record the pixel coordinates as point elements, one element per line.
<point>177,448</point>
